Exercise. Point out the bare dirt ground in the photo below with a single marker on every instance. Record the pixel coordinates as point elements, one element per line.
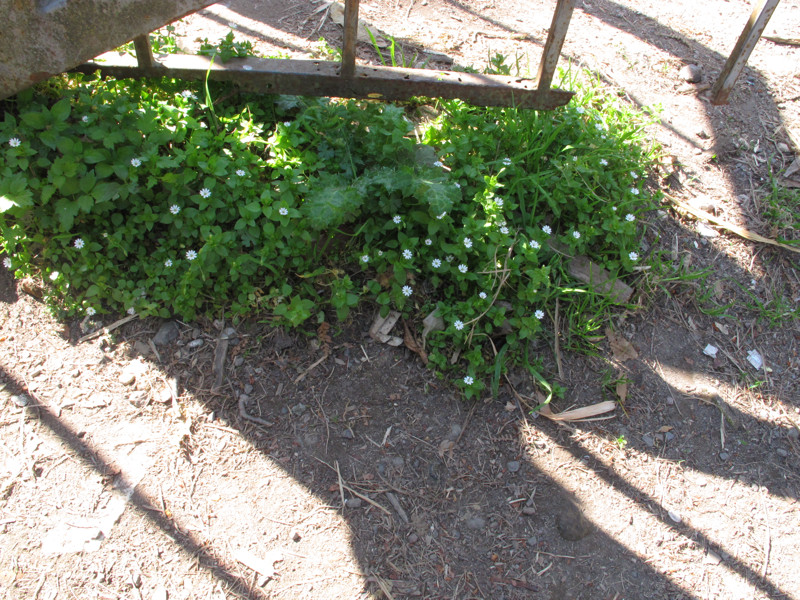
<point>126,475</point>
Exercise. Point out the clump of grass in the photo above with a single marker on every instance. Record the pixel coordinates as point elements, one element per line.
<point>135,196</point>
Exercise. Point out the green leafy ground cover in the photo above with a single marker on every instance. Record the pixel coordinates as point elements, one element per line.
<point>147,197</point>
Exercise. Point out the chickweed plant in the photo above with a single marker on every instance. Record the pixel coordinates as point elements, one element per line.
<point>133,196</point>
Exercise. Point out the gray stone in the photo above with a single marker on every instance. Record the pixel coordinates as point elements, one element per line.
<point>348,434</point>
<point>455,431</point>
<point>167,333</point>
<point>793,434</point>
<point>298,409</point>
<point>238,361</point>
<point>353,502</point>
<point>398,462</point>
<point>669,436</point>
<point>248,389</point>
<point>692,73</point>
<point>782,452</point>
<point>724,456</point>
<point>141,348</point>
<point>513,466</point>
<point>20,400</point>
<point>476,523</point>
<point>413,538</point>
<point>532,541</point>
<point>649,440</point>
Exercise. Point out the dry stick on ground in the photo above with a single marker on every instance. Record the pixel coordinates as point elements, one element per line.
<point>341,484</point>
<point>466,422</point>
<point>108,329</point>
<point>247,416</point>
<point>311,368</point>
<point>352,491</point>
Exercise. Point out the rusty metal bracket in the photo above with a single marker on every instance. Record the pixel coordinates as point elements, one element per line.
<point>299,77</point>
<point>323,78</point>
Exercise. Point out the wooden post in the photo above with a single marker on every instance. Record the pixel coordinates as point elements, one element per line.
<point>144,53</point>
<point>744,47</point>
<point>552,47</point>
<point>350,35</point>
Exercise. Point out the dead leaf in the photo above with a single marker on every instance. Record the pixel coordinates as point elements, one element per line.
<point>510,406</point>
<point>622,391</point>
<point>446,447</point>
<point>665,429</point>
<point>578,414</point>
<point>793,168</point>
<point>412,344</point>
<point>433,322</point>
<point>721,328</point>
<point>621,348</point>
<point>789,183</point>
<point>740,231</point>
<point>263,566</point>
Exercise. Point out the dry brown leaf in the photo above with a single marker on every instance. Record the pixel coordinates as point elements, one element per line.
<point>578,414</point>
<point>411,344</point>
<point>621,348</point>
<point>622,391</point>
<point>665,429</point>
<point>741,231</point>
<point>446,447</point>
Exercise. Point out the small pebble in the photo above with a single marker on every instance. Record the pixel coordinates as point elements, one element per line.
<point>194,344</point>
<point>674,516</point>
<point>782,452</point>
<point>127,378</point>
<point>692,73</point>
<point>669,436</point>
<point>298,409</point>
<point>413,538</point>
<point>238,361</point>
<point>348,434</point>
<point>296,537</point>
<point>793,434</point>
<point>476,523</point>
<point>724,456</point>
<point>531,541</point>
<point>22,401</point>
<point>248,389</point>
<point>353,502</point>
<point>455,431</point>
<point>513,466</point>
<point>168,332</point>
<point>648,440</point>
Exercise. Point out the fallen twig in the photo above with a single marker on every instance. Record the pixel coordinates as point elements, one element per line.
<point>396,504</point>
<point>311,368</point>
<point>247,416</point>
<point>740,231</point>
<point>352,491</point>
<point>108,329</point>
